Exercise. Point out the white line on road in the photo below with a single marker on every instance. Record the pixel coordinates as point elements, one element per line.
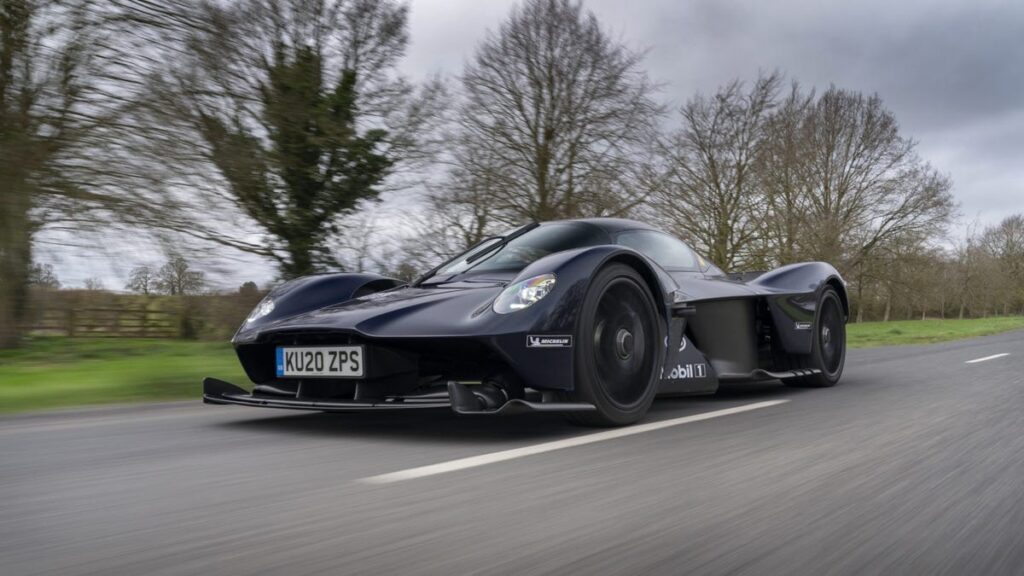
<point>992,357</point>
<point>484,459</point>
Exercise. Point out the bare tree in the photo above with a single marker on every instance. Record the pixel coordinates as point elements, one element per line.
<point>970,271</point>
<point>176,278</point>
<point>555,117</point>
<point>1004,242</point>
<point>360,246</point>
<point>142,280</point>
<point>42,276</point>
<point>755,180</point>
<point>780,155</point>
<point>713,195</point>
<point>457,214</point>
<point>863,182</point>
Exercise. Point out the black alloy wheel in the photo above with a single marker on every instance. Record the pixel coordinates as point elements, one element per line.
<point>618,352</point>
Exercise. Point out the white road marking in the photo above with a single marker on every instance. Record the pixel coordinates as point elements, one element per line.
<point>484,459</point>
<point>992,357</point>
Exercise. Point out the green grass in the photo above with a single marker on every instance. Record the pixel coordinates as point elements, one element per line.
<point>871,334</point>
<point>55,372</point>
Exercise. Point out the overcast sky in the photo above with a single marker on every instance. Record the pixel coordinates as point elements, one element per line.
<point>952,73</point>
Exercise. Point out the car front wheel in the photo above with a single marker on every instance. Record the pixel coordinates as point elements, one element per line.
<point>619,338</point>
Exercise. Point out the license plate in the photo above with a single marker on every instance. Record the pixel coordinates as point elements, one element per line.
<point>320,362</point>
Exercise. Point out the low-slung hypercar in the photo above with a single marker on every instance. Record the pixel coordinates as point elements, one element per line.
<point>591,318</point>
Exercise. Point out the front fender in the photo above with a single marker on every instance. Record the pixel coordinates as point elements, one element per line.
<point>800,277</point>
<point>574,270</point>
<point>558,314</point>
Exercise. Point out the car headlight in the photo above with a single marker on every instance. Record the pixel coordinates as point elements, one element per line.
<point>266,306</point>
<point>524,294</point>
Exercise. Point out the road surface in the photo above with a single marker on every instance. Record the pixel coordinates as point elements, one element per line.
<point>914,464</point>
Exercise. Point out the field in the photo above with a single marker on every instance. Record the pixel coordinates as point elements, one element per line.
<point>53,372</point>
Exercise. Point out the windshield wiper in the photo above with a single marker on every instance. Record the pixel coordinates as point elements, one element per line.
<point>430,273</point>
<point>503,240</point>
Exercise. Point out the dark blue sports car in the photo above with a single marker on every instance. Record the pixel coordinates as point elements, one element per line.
<point>591,318</point>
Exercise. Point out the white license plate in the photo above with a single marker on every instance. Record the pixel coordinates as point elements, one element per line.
<point>320,361</point>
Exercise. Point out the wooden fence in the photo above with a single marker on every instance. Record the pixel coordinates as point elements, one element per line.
<point>108,322</point>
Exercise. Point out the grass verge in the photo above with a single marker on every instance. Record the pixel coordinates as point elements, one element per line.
<point>55,372</point>
<point>872,334</point>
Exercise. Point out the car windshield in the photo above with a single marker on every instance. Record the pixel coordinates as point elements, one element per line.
<point>521,251</point>
<point>670,253</point>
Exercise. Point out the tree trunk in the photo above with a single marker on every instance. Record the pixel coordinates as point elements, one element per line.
<point>888,308</point>
<point>15,264</point>
<point>860,293</point>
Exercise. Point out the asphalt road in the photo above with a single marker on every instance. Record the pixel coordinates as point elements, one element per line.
<point>914,464</point>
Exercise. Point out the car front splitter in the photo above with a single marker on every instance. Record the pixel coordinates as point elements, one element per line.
<point>460,399</point>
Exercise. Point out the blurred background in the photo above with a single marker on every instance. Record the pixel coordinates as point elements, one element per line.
<point>165,163</point>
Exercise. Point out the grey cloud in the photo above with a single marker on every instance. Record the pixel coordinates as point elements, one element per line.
<point>941,64</point>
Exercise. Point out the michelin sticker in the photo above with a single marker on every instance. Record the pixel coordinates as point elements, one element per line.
<point>548,341</point>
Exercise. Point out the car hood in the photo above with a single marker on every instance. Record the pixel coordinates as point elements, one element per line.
<point>438,310</point>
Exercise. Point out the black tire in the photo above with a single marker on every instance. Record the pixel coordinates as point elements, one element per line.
<point>618,349</point>
<point>828,344</point>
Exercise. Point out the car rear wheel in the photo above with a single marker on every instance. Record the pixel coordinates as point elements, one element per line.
<point>618,349</point>
<point>828,346</point>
